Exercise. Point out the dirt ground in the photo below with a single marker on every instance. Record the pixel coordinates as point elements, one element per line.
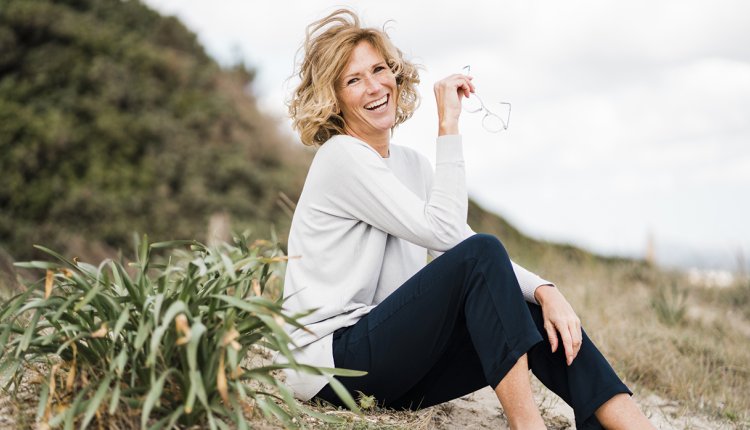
<point>481,410</point>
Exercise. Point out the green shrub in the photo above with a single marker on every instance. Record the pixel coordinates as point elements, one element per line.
<point>670,304</point>
<point>738,296</point>
<point>114,119</point>
<point>168,340</point>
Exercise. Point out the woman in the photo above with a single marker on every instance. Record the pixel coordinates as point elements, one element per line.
<point>369,214</point>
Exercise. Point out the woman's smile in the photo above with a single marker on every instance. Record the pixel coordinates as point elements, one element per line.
<point>378,105</point>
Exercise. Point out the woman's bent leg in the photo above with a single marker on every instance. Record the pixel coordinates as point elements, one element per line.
<point>458,372</point>
<point>585,385</point>
<point>470,290</point>
<point>514,392</point>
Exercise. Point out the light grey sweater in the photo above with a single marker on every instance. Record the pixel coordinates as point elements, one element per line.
<point>362,227</point>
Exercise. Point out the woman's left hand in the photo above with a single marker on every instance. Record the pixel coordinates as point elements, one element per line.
<point>560,317</point>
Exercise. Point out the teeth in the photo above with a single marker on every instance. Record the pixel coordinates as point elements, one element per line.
<point>377,102</point>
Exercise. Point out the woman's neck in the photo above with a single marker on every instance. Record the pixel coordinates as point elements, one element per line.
<point>381,143</point>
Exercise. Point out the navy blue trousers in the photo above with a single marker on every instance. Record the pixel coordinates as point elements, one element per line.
<point>458,325</point>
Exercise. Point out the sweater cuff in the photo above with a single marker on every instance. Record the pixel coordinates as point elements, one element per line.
<point>449,148</point>
<point>529,282</point>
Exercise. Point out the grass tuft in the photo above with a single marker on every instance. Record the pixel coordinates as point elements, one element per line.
<point>670,304</point>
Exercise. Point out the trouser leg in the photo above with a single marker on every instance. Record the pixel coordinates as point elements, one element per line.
<point>458,372</point>
<point>585,385</point>
<point>470,289</point>
<point>431,341</point>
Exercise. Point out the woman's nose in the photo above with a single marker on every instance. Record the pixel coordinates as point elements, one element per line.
<point>372,84</point>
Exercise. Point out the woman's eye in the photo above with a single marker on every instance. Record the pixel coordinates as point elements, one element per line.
<point>351,81</point>
<point>379,68</point>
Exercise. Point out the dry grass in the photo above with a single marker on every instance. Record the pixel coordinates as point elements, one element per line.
<point>375,419</point>
<point>680,341</point>
<point>699,356</point>
<point>19,412</point>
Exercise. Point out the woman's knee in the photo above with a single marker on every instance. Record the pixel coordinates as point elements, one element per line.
<point>484,245</point>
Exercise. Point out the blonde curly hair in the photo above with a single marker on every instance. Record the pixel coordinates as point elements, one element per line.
<point>328,45</point>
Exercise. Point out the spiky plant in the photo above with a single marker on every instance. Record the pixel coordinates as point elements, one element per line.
<point>167,339</point>
<point>670,304</point>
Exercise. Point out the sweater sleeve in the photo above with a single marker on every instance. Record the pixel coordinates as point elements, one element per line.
<point>360,186</point>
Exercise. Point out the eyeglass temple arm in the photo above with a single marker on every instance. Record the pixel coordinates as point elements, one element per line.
<point>507,123</point>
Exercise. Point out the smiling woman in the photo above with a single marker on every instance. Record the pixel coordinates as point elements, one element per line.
<point>369,215</point>
<point>315,108</point>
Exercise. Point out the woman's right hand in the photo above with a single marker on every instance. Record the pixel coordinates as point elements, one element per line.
<point>448,94</point>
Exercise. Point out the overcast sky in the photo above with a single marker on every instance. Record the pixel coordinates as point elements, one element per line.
<point>629,118</point>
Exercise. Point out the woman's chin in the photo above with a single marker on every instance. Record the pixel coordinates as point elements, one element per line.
<point>373,127</point>
<point>387,124</point>
<point>382,125</point>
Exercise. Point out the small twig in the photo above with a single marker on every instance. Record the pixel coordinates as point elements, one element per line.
<point>286,204</point>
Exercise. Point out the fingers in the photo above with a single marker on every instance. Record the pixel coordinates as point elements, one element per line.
<point>575,336</point>
<point>457,81</point>
<point>567,341</point>
<point>467,86</point>
<point>571,335</point>
<point>471,88</point>
<point>551,334</point>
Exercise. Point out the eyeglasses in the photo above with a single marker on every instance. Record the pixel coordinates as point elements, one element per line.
<point>491,121</point>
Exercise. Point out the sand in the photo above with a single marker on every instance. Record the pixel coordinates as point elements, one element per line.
<point>481,410</point>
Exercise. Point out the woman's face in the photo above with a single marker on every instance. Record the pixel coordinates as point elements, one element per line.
<point>367,93</point>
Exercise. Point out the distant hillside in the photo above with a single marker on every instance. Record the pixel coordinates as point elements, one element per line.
<point>114,120</point>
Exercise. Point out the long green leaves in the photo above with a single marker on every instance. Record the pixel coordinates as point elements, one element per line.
<point>167,336</point>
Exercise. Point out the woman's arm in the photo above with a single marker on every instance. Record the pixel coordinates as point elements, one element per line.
<point>357,184</point>
<point>352,181</point>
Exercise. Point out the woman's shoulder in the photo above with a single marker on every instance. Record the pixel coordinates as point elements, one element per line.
<point>347,148</point>
<point>408,152</point>
<point>342,156</point>
<point>411,156</point>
